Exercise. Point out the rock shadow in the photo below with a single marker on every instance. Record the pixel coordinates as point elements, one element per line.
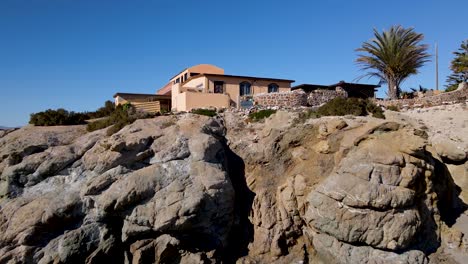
<point>242,230</point>
<point>448,204</point>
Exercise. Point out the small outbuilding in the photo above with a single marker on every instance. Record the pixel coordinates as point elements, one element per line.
<point>151,103</point>
<point>356,90</point>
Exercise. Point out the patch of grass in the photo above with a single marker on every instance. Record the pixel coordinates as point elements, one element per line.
<point>260,115</point>
<point>117,120</point>
<point>376,110</point>
<point>168,124</point>
<point>205,112</point>
<point>350,106</point>
<point>451,88</point>
<point>393,108</point>
<point>303,116</point>
<point>116,127</point>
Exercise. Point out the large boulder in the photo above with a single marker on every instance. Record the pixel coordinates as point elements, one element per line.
<point>157,190</point>
<point>341,190</point>
<point>449,149</point>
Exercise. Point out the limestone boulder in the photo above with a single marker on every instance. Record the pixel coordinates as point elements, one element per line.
<point>152,192</point>
<point>449,149</point>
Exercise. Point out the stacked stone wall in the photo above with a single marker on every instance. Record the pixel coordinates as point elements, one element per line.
<point>457,96</point>
<point>284,99</point>
<point>319,97</point>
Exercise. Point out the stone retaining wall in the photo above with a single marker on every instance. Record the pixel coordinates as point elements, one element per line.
<point>298,98</point>
<point>284,99</point>
<point>318,97</point>
<point>457,96</point>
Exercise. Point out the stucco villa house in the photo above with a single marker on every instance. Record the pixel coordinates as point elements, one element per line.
<point>206,86</point>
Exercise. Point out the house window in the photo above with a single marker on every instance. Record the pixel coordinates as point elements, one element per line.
<point>185,76</point>
<point>244,88</point>
<point>273,88</point>
<point>218,87</point>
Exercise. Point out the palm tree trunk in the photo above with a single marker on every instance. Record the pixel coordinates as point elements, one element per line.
<point>392,90</point>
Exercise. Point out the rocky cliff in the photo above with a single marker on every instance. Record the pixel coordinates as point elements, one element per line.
<point>194,189</point>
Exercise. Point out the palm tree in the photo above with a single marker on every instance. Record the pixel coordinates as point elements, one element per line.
<point>393,56</point>
<point>459,67</point>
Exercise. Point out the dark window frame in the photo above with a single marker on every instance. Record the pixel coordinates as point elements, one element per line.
<point>273,88</point>
<point>215,83</point>
<point>243,88</point>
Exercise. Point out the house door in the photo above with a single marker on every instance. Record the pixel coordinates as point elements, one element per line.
<point>218,87</point>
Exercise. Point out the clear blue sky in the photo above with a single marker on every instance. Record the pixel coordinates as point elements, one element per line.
<point>76,54</point>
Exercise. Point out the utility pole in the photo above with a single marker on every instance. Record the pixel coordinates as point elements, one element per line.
<point>437,66</point>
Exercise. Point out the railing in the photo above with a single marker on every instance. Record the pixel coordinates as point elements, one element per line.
<point>150,107</point>
<point>246,101</point>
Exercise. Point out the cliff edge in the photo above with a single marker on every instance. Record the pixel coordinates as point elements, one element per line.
<point>194,189</point>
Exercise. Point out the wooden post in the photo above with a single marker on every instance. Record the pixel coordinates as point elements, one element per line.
<point>437,66</point>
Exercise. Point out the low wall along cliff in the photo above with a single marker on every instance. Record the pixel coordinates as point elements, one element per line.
<point>456,96</point>
<point>298,98</point>
<point>285,99</point>
<point>319,97</point>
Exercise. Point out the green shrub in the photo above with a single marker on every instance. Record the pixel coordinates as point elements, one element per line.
<point>205,112</point>
<point>350,106</point>
<point>343,106</point>
<point>59,117</point>
<point>406,95</point>
<point>168,124</point>
<point>262,114</point>
<point>104,111</point>
<point>62,117</point>
<point>393,108</point>
<point>122,115</point>
<point>303,116</point>
<point>374,109</point>
<point>116,127</point>
<point>100,124</point>
<point>451,88</point>
<point>117,119</point>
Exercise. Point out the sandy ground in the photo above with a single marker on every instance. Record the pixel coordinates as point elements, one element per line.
<point>450,121</point>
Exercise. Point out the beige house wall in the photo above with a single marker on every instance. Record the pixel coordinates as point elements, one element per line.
<point>189,96</point>
<point>187,101</point>
<point>120,101</point>
<point>175,93</point>
<point>232,86</point>
<point>197,83</point>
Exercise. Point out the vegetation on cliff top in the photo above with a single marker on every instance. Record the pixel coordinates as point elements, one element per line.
<point>350,106</point>
<point>260,115</point>
<point>62,117</point>
<point>393,56</point>
<point>109,116</point>
<point>205,112</point>
<point>121,116</point>
<point>459,67</point>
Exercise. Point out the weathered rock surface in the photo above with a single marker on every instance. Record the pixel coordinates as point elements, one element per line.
<point>448,149</point>
<point>342,190</point>
<point>193,189</point>
<point>149,193</point>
